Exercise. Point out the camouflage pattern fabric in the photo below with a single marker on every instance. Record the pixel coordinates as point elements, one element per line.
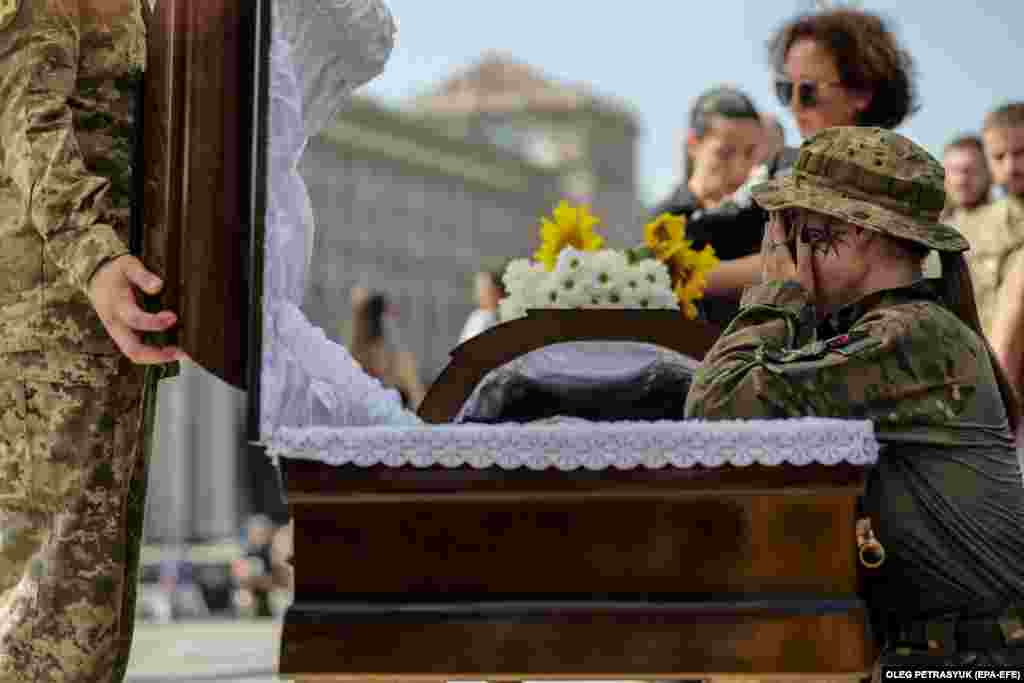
<point>870,177</point>
<point>67,80</point>
<point>134,516</point>
<point>896,358</point>
<point>996,234</point>
<point>68,457</point>
<point>946,496</point>
<point>71,475</point>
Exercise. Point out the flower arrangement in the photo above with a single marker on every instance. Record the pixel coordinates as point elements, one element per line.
<point>573,269</point>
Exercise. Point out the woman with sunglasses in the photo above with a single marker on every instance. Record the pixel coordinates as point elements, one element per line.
<point>839,67</point>
<point>842,67</point>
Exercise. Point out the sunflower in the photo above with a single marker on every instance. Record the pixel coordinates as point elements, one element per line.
<point>689,269</point>
<point>665,236</point>
<point>572,227</point>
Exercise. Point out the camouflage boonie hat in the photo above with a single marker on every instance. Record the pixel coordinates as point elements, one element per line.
<point>870,177</point>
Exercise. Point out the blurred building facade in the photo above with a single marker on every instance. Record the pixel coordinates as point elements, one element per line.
<point>412,201</point>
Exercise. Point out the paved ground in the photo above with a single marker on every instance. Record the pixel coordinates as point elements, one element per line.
<point>205,652</point>
<point>221,651</point>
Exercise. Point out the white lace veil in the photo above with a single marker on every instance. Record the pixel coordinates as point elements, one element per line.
<point>322,50</point>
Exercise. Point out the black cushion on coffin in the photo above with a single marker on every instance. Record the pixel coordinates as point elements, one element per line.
<point>600,381</point>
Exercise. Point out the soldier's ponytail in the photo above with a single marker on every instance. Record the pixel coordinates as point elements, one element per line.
<point>958,293</point>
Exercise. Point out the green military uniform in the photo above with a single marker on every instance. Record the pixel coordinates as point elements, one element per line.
<point>946,497</point>
<point>70,474</point>
<point>996,234</point>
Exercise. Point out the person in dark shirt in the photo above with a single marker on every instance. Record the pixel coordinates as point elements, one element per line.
<point>724,139</point>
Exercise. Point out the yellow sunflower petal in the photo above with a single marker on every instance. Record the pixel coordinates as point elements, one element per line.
<point>565,214</point>
<point>572,226</point>
<point>666,228</point>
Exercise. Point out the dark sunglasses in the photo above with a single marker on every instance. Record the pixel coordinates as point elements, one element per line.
<point>807,91</point>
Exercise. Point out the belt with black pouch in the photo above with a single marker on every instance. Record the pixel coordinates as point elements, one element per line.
<point>951,634</point>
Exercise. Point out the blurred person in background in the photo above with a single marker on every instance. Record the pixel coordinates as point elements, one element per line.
<point>282,548</point>
<point>772,145</point>
<point>176,595</point>
<point>968,182</point>
<point>996,236</point>
<point>489,290</point>
<point>724,138</point>
<point>774,140</point>
<point>377,352</point>
<point>254,571</point>
<point>836,67</point>
<point>723,142</point>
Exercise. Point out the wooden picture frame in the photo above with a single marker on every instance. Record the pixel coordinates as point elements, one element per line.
<point>203,180</point>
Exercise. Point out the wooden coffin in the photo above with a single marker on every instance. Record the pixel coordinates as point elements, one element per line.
<point>435,573</point>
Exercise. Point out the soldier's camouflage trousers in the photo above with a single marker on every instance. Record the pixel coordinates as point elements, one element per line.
<point>68,457</point>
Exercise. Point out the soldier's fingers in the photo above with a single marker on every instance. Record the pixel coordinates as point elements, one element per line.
<point>139,276</point>
<point>776,229</point>
<point>805,272</point>
<point>139,353</point>
<point>130,315</point>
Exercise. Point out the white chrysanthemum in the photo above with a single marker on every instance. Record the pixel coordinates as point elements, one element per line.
<point>655,272</point>
<point>521,276</point>
<point>550,294</point>
<point>634,282</point>
<point>602,271</point>
<point>570,259</point>
<point>587,279</point>
<point>510,308</point>
<point>609,278</point>
<point>610,259</point>
<point>568,280</point>
<point>638,292</point>
<point>664,298</point>
<point>515,272</point>
<point>593,300</point>
<point>586,276</point>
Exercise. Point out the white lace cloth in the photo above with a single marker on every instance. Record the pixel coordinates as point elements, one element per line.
<point>568,444</point>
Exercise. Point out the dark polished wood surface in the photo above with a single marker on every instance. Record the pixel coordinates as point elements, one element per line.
<point>609,646</point>
<point>746,542</point>
<point>477,356</point>
<point>522,574</point>
<point>196,139</point>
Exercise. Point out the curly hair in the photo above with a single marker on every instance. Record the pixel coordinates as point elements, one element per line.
<point>868,58</point>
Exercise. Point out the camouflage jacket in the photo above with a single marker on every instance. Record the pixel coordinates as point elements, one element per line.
<point>946,496</point>
<point>996,234</point>
<point>68,77</point>
<point>895,357</point>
